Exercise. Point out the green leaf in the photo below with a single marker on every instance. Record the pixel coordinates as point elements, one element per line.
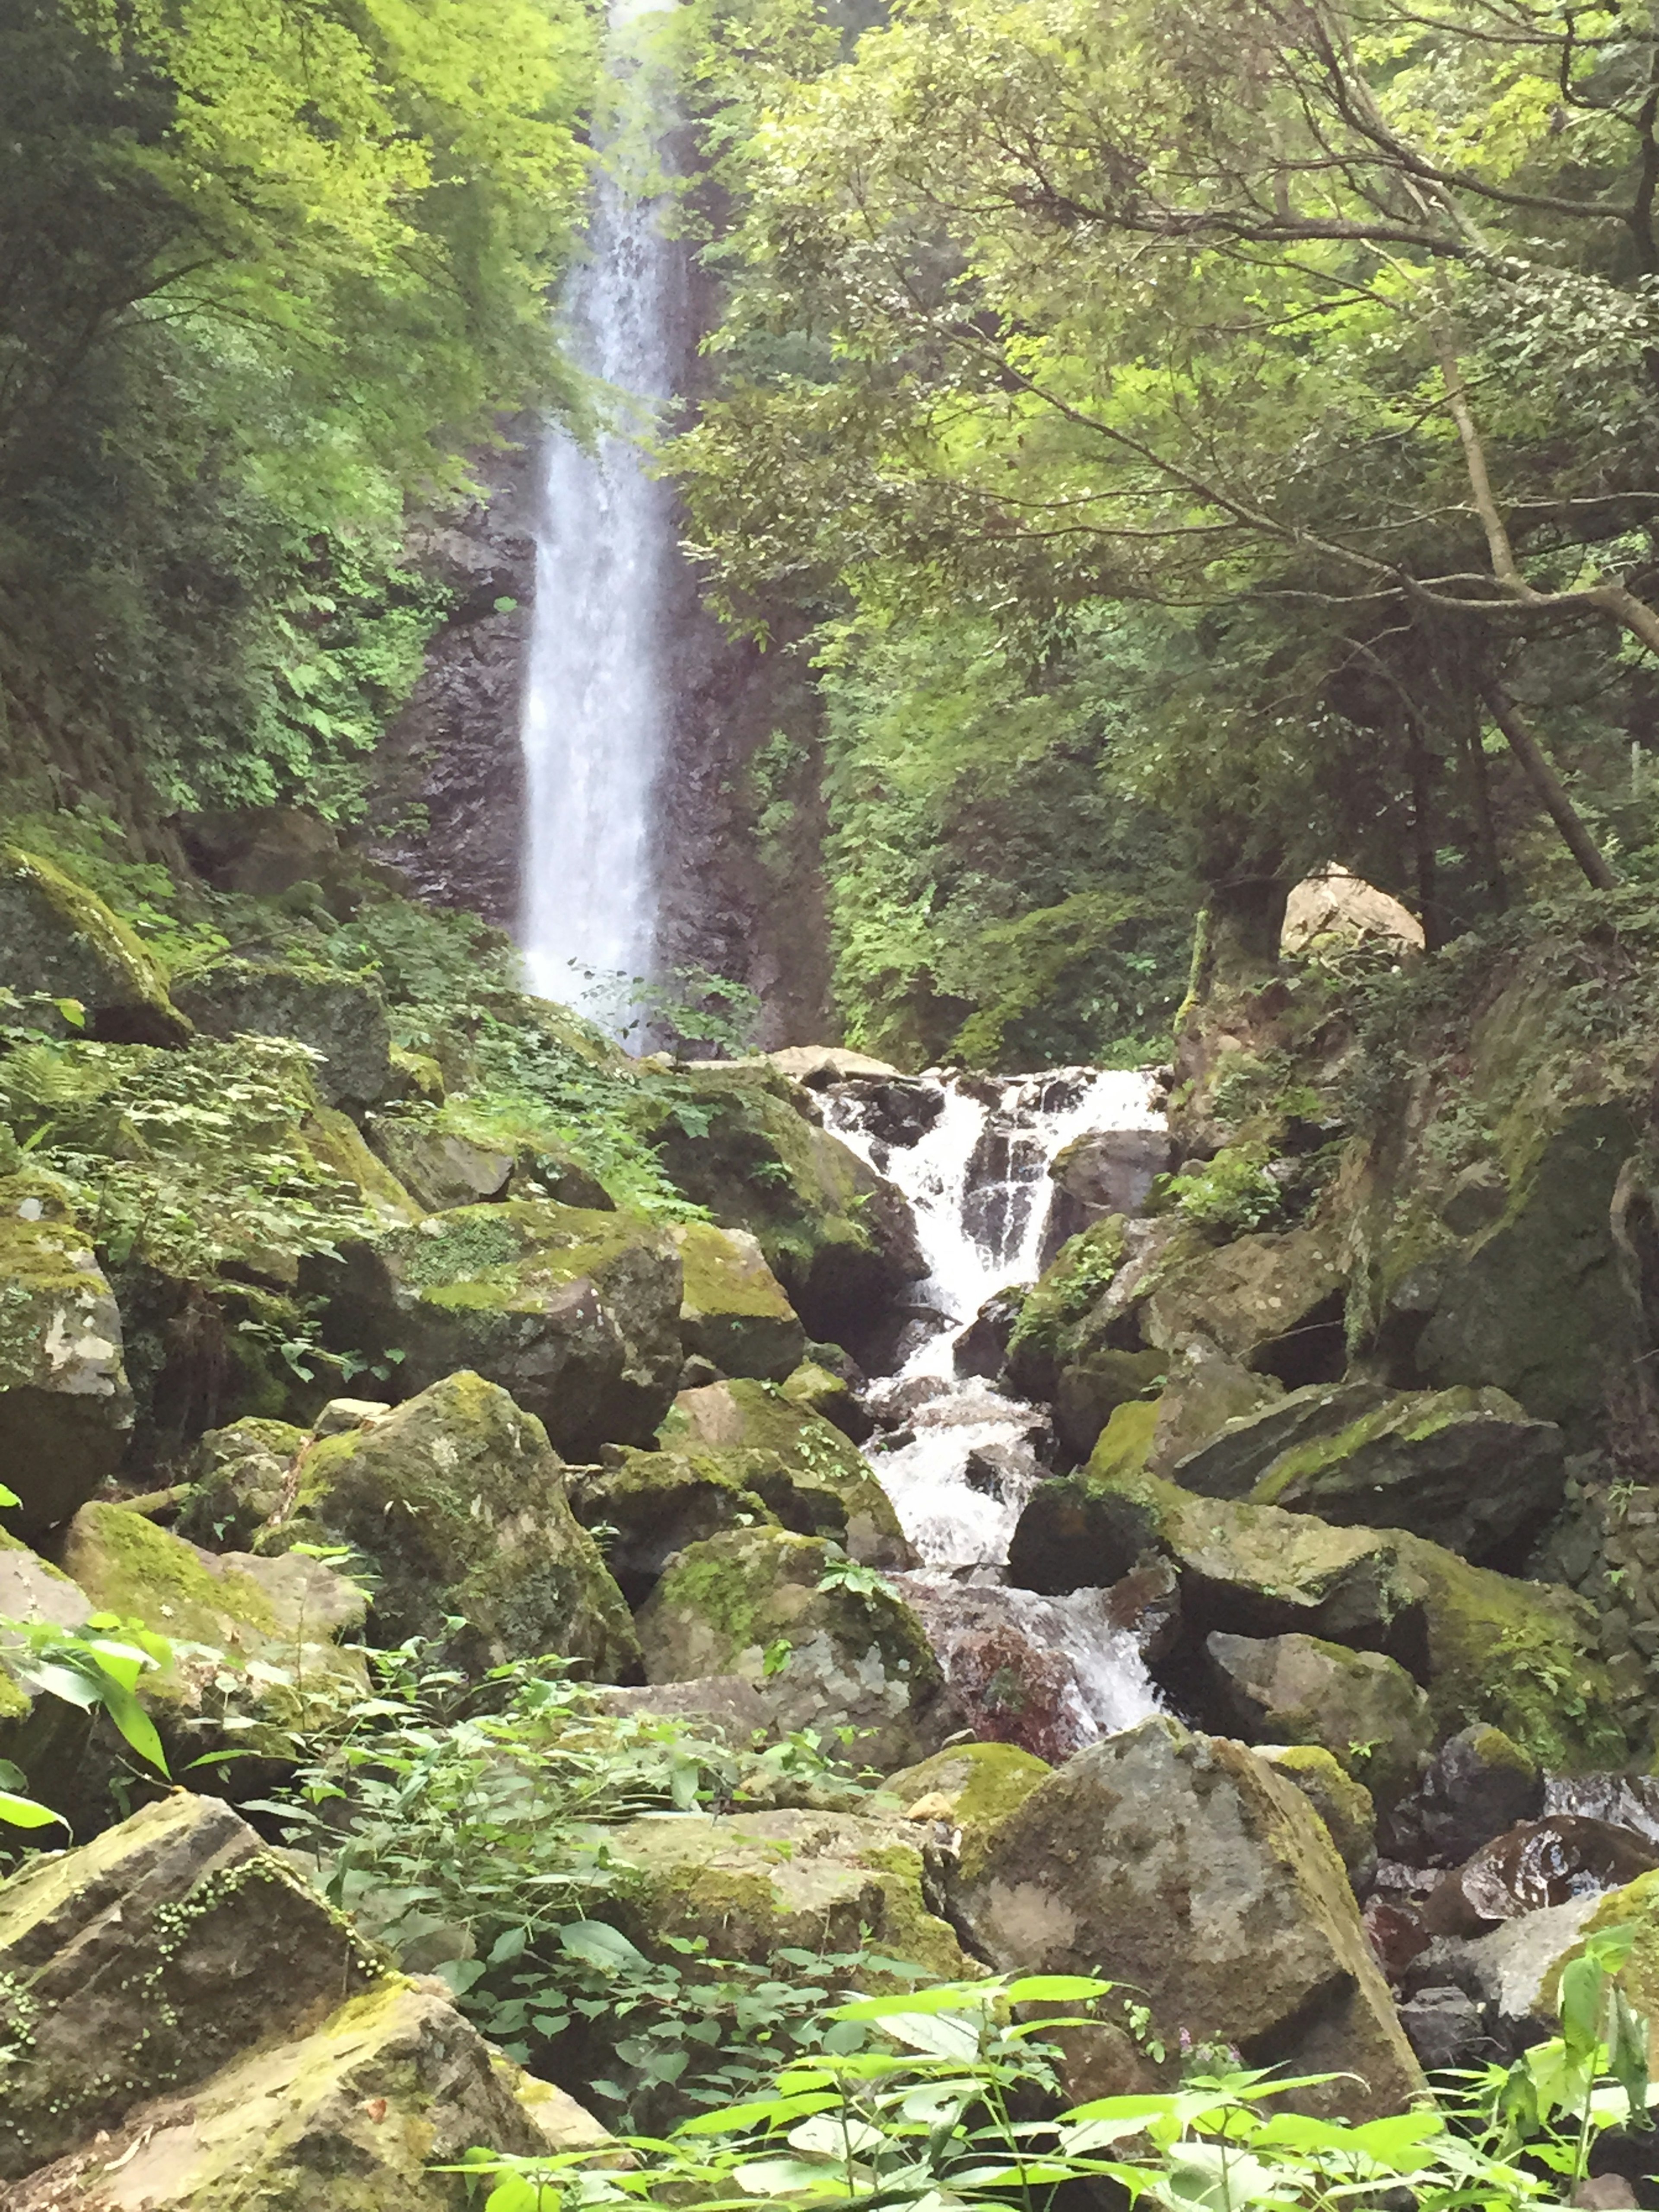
<point>25,1812</point>
<point>1055,1988</point>
<point>134,1724</point>
<point>600,1945</point>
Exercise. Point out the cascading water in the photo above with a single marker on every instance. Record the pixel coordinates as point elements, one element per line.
<point>595,722</point>
<point>965,1459</point>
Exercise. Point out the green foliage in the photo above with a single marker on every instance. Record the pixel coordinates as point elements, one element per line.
<point>95,1669</point>
<point>1228,1196</point>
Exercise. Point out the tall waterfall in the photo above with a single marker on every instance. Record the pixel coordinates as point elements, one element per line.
<point>596,721</point>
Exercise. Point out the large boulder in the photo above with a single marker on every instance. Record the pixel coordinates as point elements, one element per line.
<point>1273,1303</point>
<point>754,1884</point>
<point>341,1018</point>
<point>1465,1468</point>
<point>751,1416</point>
<point>649,1505</point>
<point>1361,1707</point>
<point>971,1788</point>
<point>143,1962</point>
<point>838,1238</point>
<point>467,1152</point>
<point>65,1407</point>
<point>574,1312</point>
<point>456,1504</point>
<point>733,1312</point>
<point>59,940</point>
<point>1232,1458</point>
<point>837,1651</point>
<point>1184,1866</point>
<point>1345,1806</point>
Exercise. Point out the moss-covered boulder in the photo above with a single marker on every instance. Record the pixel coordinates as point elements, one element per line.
<point>1089,1391</point>
<point>733,1312</point>
<point>341,1018</point>
<point>240,1475</point>
<point>1232,1458</point>
<point>59,940</point>
<point>65,1407</point>
<point>468,1152</point>
<point>1343,1804</point>
<point>812,1387</point>
<point>574,1312</point>
<point>335,1143</point>
<point>1186,1867</point>
<point>838,1238</point>
<point>822,1462</point>
<point>754,1884</point>
<point>1274,1302</point>
<point>140,1963</point>
<point>1361,1707</point>
<point>1053,1329</point>
<point>1202,1396</point>
<point>838,1650</point>
<point>1466,1468</point>
<point>646,1506</point>
<point>972,1788</point>
<point>457,1506</point>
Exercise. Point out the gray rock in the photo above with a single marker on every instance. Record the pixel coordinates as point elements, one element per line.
<point>1511,1969</point>
<point>1362,1708</point>
<point>1479,1784</point>
<point>341,1017</point>
<point>1233,1461</point>
<point>59,940</point>
<point>1444,2027</point>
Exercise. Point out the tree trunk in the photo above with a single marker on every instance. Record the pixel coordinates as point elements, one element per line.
<point>1551,791</point>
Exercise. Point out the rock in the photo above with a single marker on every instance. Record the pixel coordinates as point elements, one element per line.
<point>895,1110</point>
<point>753,1884</point>
<point>1537,1864</point>
<point>840,1656</point>
<point>61,941</point>
<point>839,1239</point>
<point>1362,1708</point>
<point>341,1414</point>
<point>734,1312</point>
<point>1187,1867</point>
<point>811,1389</point>
<point>1145,1605</point>
<point>1104,1172</point>
<point>751,1416</point>
<point>974,1787</point>
<point>576,1312</point>
<point>820,1066</point>
<point>261,851</point>
<point>1444,2027</point>
<point>1514,1971</point>
<point>1202,1396</point>
<point>1478,1784</point>
<point>1394,1930</point>
<point>1056,1325</point>
<point>440,1168</point>
<point>457,1506</point>
<point>466,1154</point>
<point>65,1405</point>
<point>1089,1392</point>
<point>1343,1804</point>
<point>1466,1468</point>
<point>336,1145</point>
<point>648,1505</point>
<point>1233,1459</point>
<point>1273,1303</point>
<point>1337,903</point>
<point>142,1963</point>
<point>239,1475</point>
<point>981,1348</point>
<point>358,2113</point>
<point>341,1018</point>
<point>1627,1800</point>
<point>727,1706</point>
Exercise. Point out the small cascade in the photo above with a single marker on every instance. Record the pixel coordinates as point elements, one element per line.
<point>596,714</point>
<point>973,1154</point>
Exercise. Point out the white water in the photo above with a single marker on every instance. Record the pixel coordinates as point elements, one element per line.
<point>978,1182</point>
<point>595,721</point>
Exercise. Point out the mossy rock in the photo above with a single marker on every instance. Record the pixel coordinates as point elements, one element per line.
<point>1343,1804</point>
<point>1273,1303</point>
<point>472,1151</point>
<point>342,1017</point>
<point>974,1787</point>
<point>239,1475</point>
<point>1262,1427</point>
<point>1466,1468</point>
<point>752,1885</point>
<point>1203,1396</point>
<point>61,941</point>
<point>649,1505</point>
<point>838,1238</point>
<point>1361,1707</point>
<point>65,1407</point>
<point>335,1143</point>
<point>812,1387</point>
<point>1053,1329</point>
<point>757,1598</point>
<point>734,1313</point>
<point>574,1312</point>
<point>1123,1445</point>
<point>1089,1391</point>
<point>456,1504</point>
<point>749,1415</point>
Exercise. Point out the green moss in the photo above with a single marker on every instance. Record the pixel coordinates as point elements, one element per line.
<point>335,1141</point>
<point>126,1565</point>
<point>1125,1442</point>
<point>733,1589</point>
<point>135,971</point>
<point>984,1783</point>
<point>1084,1266</point>
<point>717,1280</point>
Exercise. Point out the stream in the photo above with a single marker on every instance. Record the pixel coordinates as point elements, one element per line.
<point>973,1156</point>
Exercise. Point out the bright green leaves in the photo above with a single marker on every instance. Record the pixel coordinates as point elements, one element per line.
<point>96,1669</point>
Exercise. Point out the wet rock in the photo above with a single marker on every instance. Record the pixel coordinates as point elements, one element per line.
<point>576,1312</point>
<point>1446,2027</point>
<point>1145,1605</point>
<point>1538,1864</point>
<point>65,1405</point>
<point>1343,1804</point>
<point>1626,1801</point>
<point>1056,1323</point>
<point>457,1505</point>
<point>1514,1971</point>
<point>1361,1707</point>
<point>983,1347</point>
<point>1478,1784</point>
<point>734,1312</point>
<point>1104,1172</point>
<point>144,1962</point>
<point>339,1015</point>
<point>61,941</point>
<point>752,1416</point>
<point>1466,1468</point>
<point>1395,1933</point>
<point>1234,1458</point>
<point>1208,1882</point>
<point>751,1884</point>
<point>896,1110</point>
<point>812,1388</point>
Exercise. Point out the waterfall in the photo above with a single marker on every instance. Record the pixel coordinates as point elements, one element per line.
<point>965,1458</point>
<point>595,721</point>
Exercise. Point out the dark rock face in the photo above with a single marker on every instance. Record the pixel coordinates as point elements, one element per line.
<point>1109,1171</point>
<point>1479,1784</point>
